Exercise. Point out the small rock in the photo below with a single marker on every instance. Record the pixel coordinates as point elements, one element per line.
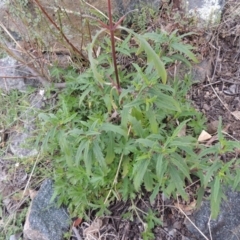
<point>17,145</point>
<point>123,6</point>
<point>212,127</point>
<point>17,80</point>
<point>201,71</point>
<point>19,140</point>
<point>206,107</point>
<point>15,236</point>
<point>231,90</point>
<point>45,221</point>
<point>8,69</point>
<point>208,11</point>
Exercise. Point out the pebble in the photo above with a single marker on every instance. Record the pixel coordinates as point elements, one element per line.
<point>206,107</point>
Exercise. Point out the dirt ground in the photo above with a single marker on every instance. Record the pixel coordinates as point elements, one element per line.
<point>219,95</point>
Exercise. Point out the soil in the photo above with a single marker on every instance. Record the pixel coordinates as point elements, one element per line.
<point>217,96</point>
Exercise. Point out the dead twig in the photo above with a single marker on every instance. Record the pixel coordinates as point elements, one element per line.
<point>209,227</point>
<point>223,103</point>
<point>61,32</point>
<point>77,235</point>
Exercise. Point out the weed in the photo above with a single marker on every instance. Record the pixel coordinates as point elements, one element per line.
<point>118,132</point>
<point>111,141</point>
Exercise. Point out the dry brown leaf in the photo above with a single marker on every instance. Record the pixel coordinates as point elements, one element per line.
<point>187,209</point>
<point>236,114</point>
<point>32,193</point>
<point>204,136</point>
<point>19,195</point>
<point>77,222</point>
<point>213,139</point>
<point>94,228</point>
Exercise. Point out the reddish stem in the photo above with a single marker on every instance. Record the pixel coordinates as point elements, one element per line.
<point>111,29</point>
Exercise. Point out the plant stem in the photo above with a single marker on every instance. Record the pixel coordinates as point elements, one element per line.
<point>83,58</point>
<point>111,29</point>
<point>117,173</point>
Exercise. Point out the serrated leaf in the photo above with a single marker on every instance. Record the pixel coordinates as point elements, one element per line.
<point>181,58</point>
<point>152,121</point>
<point>160,38</point>
<point>92,133</point>
<point>75,132</point>
<point>69,119</point>
<point>139,171</point>
<point>97,151</point>
<point>65,147</point>
<point>154,193</point>
<point>185,142</point>
<point>113,128</point>
<point>93,62</point>
<point>236,180</point>
<point>47,138</point>
<point>210,172</point>
<point>137,114</point>
<point>161,167</point>
<point>43,116</point>
<point>146,142</point>
<point>175,133</point>
<point>124,117</point>
<point>83,95</point>
<point>178,161</point>
<point>151,54</point>
<point>79,154</point>
<point>125,166</point>
<point>186,34</point>
<point>136,126</point>
<point>216,188</point>
<point>148,181</point>
<point>87,159</point>
<point>200,194</point>
<point>110,148</point>
<point>183,48</point>
<point>178,182</point>
<point>123,94</point>
<point>206,151</point>
<point>165,101</point>
<point>215,204</point>
<point>134,103</point>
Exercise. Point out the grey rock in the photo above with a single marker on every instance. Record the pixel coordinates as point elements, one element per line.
<point>207,10</point>
<point>201,71</point>
<point>14,77</point>
<point>8,69</point>
<point>2,3</point>
<point>45,221</point>
<point>19,146</point>
<point>198,73</point>
<point>15,237</point>
<point>227,224</point>
<point>232,90</point>
<point>19,141</point>
<point>123,6</point>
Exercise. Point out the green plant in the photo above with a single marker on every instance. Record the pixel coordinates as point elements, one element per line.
<point>117,132</point>
<point>12,224</point>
